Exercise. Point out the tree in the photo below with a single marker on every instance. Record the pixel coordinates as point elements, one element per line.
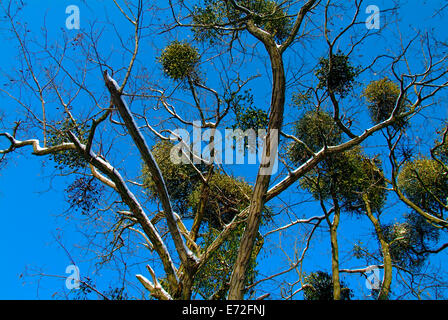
<point>352,182</point>
<point>127,121</point>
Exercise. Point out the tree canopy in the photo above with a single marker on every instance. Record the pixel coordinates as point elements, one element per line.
<point>137,117</point>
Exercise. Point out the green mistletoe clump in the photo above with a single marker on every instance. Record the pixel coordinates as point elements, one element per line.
<point>179,60</point>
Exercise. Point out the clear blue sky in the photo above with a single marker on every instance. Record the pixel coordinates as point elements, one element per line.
<point>30,202</point>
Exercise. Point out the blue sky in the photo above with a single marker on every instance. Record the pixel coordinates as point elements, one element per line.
<point>31,203</point>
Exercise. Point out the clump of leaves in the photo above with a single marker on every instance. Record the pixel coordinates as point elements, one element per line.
<point>179,60</point>
<point>316,128</point>
<point>338,77</point>
<point>382,96</point>
<point>268,15</point>
<point>84,194</point>
<point>207,15</point>
<point>251,118</point>
<point>180,179</point>
<point>410,240</point>
<point>247,115</point>
<point>347,176</point>
<point>68,158</point>
<point>212,281</point>
<point>227,197</point>
<point>301,99</point>
<point>254,120</point>
<point>425,182</point>
<point>320,287</point>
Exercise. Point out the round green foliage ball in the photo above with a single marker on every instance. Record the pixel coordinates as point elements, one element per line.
<point>247,115</point>
<point>210,14</point>
<point>382,96</point>
<point>268,15</point>
<point>409,240</point>
<point>340,77</point>
<point>180,179</point>
<point>315,128</point>
<point>424,181</point>
<point>348,176</point>
<point>227,197</point>
<point>179,60</point>
<point>272,18</point>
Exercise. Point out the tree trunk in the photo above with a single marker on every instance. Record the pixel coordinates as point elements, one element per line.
<point>385,249</point>
<point>237,290</point>
<point>335,255</point>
